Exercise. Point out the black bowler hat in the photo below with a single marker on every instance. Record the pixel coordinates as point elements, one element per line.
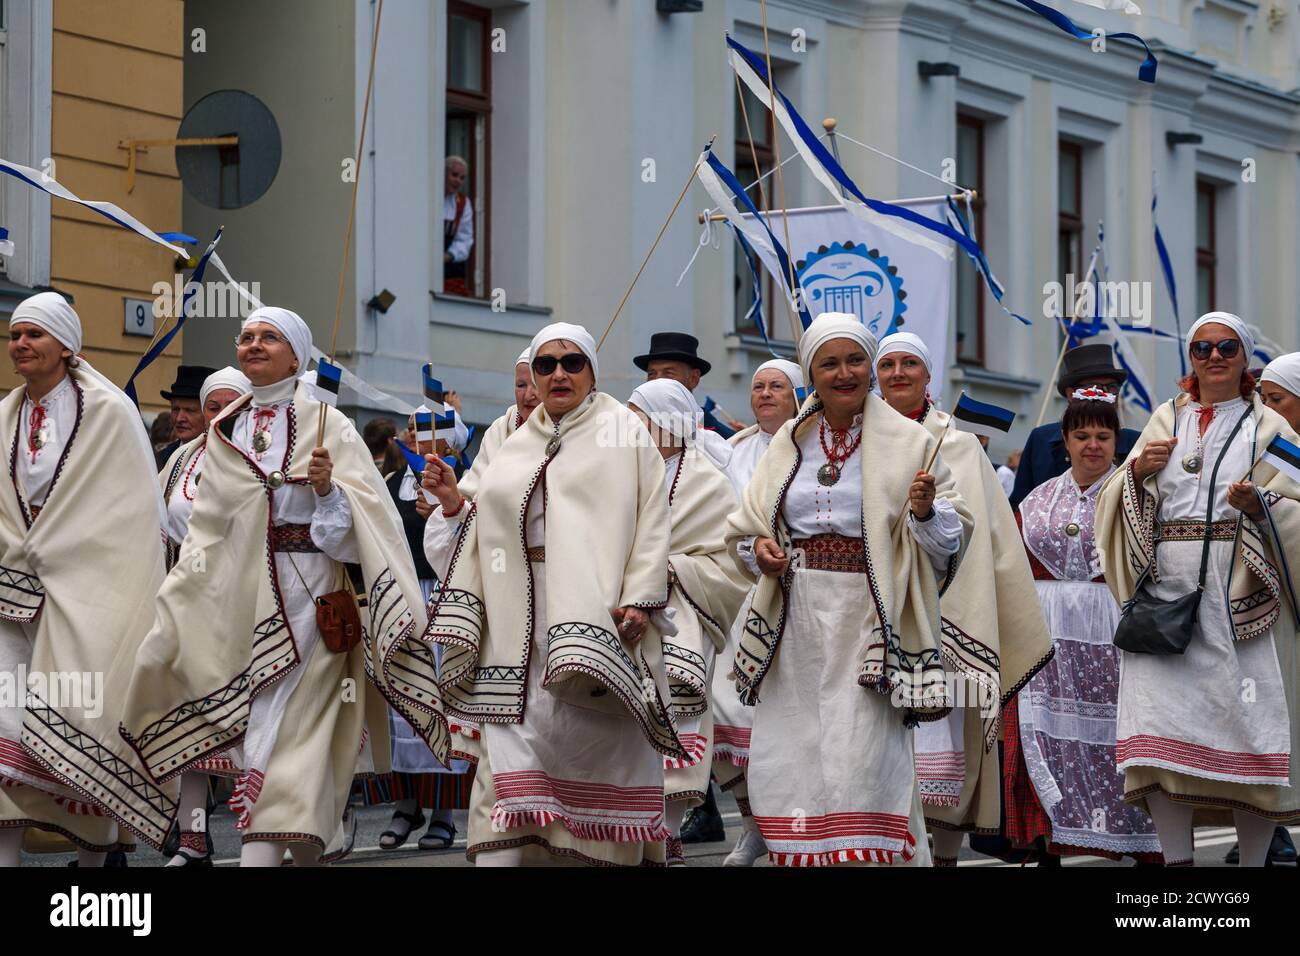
<point>673,347</point>
<point>1088,362</point>
<point>189,381</point>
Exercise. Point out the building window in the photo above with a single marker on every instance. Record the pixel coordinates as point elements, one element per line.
<point>1207,258</point>
<point>970,295</point>
<point>469,109</point>
<point>1069,229</point>
<point>750,164</point>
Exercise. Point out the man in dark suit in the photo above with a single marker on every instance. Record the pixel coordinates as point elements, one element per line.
<point>186,413</point>
<point>1044,453</point>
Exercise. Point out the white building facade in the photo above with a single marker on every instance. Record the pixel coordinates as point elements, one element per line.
<point>581,120</point>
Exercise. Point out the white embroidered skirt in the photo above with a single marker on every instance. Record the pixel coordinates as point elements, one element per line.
<point>1067,725</point>
<point>733,723</point>
<point>831,778</point>
<point>1212,724</point>
<point>581,783</point>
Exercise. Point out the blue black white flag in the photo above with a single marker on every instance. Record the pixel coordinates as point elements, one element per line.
<point>423,425</point>
<point>981,418</point>
<point>1283,456</point>
<point>329,378</point>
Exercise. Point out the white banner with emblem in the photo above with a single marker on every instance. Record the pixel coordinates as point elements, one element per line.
<point>847,265</point>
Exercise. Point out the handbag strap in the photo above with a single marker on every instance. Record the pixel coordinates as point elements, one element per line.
<point>1209,503</point>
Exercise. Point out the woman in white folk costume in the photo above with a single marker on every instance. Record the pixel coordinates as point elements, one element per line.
<point>1062,792</point>
<point>1279,388</point>
<point>280,524</point>
<point>180,478</point>
<point>994,636</point>
<point>81,506</point>
<point>841,651</point>
<point>705,589</point>
<point>1192,744</point>
<point>418,782</point>
<point>774,401</point>
<point>545,616</point>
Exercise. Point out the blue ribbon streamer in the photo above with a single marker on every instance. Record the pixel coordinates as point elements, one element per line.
<point>1146,72</point>
<point>191,288</point>
<point>1167,268</point>
<point>712,422</point>
<point>756,285</point>
<point>823,155</point>
<point>729,179</point>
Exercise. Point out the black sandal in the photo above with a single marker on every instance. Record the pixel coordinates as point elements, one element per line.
<point>414,819</point>
<point>433,841</point>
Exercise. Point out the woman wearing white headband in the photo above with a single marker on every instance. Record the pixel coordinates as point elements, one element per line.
<point>180,478</point>
<point>1193,510</point>
<point>544,617</point>
<point>1062,795</point>
<point>1279,387</point>
<point>281,535</point>
<point>841,650</point>
<point>80,562</point>
<point>705,589</point>
<point>994,635</point>
<point>774,400</point>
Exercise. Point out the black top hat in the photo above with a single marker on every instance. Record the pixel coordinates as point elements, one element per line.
<point>189,381</point>
<point>676,347</point>
<point>1088,362</point>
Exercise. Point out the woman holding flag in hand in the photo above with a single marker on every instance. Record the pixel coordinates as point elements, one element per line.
<point>545,616</point>
<point>1209,502</point>
<point>994,635</point>
<point>853,521</point>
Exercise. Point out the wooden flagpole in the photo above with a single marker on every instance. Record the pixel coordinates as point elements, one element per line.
<point>662,229</point>
<point>776,152</point>
<point>762,193</point>
<point>352,211</point>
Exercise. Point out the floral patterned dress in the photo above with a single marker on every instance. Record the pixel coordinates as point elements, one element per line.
<point>1060,781</point>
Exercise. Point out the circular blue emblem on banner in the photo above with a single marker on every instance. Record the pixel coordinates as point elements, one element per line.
<point>852,278</point>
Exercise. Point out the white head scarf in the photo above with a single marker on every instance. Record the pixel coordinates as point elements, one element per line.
<point>670,405</point>
<point>228,377</point>
<point>787,368</point>
<point>525,357</point>
<point>51,312</point>
<point>1232,322</point>
<point>288,323</point>
<point>834,325</point>
<point>570,333</point>
<point>1285,371</point>
<point>908,342</point>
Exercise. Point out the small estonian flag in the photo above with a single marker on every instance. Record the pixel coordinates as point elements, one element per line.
<point>417,464</point>
<point>445,426</point>
<point>328,379</point>
<point>423,425</point>
<point>1283,456</point>
<point>6,244</point>
<point>982,418</point>
<point>433,389</point>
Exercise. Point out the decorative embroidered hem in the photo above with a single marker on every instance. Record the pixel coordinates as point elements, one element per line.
<point>837,838</point>
<point>1197,760</point>
<point>242,799</point>
<point>696,746</point>
<point>589,811</point>
<point>67,835</point>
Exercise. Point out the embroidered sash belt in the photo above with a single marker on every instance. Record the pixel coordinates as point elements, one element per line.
<point>1190,530</point>
<point>536,555</point>
<point>832,552</point>
<point>293,537</point>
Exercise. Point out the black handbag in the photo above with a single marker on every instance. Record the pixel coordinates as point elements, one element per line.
<point>1149,625</point>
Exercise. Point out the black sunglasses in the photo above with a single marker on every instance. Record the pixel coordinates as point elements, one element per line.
<point>1202,351</point>
<point>573,363</point>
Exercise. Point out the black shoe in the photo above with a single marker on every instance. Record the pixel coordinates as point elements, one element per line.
<point>1233,856</point>
<point>1282,849</point>
<point>704,825</point>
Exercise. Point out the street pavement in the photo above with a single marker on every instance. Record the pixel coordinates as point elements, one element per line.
<point>1211,845</point>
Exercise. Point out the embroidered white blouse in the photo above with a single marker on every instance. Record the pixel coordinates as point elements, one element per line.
<point>36,467</point>
<point>1183,494</point>
<point>812,508</point>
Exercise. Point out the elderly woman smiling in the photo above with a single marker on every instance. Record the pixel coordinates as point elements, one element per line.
<point>545,617</point>
<point>841,650</point>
